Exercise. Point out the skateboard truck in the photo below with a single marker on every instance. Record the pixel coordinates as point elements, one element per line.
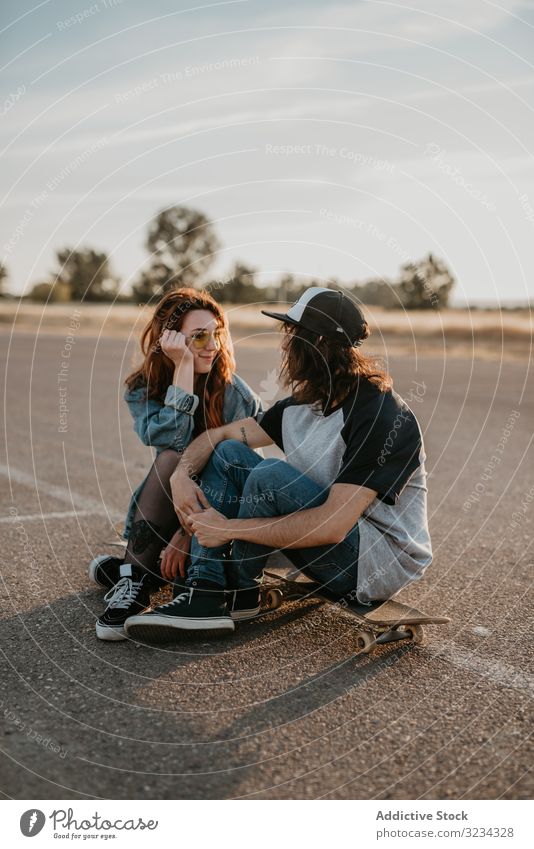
<point>382,622</point>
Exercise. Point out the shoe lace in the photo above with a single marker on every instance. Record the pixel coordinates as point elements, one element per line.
<point>182,598</point>
<point>123,593</point>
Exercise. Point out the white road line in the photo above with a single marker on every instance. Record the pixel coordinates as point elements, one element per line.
<point>68,514</point>
<point>494,670</point>
<point>50,489</point>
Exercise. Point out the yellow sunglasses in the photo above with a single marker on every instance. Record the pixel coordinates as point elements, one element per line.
<point>201,338</point>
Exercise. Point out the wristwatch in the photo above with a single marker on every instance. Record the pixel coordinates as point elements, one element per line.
<point>181,400</point>
<point>187,404</point>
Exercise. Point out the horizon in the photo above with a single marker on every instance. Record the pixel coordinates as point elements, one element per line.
<point>335,141</point>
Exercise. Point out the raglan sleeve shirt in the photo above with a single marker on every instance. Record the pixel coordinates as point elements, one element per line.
<point>383,444</point>
<point>271,421</point>
<point>380,438</point>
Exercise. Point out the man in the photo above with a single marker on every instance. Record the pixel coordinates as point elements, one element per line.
<point>348,506</point>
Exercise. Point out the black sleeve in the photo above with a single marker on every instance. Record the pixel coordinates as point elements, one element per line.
<point>382,447</point>
<point>271,421</point>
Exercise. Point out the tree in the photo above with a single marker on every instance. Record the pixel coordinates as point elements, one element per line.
<point>290,288</point>
<point>240,287</point>
<point>377,292</point>
<point>87,275</point>
<point>3,278</point>
<point>425,284</point>
<point>286,287</point>
<point>50,293</point>
<point>182,245</point>
<point>153,282</point>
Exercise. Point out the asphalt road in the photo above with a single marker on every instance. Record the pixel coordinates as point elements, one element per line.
<point>283,708</point>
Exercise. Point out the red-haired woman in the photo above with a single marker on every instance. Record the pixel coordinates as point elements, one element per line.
<point>185,385</point>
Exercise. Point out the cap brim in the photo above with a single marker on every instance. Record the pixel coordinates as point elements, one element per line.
<point>280,316</point>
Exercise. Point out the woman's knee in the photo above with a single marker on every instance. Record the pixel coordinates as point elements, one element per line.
<point>168,454</point>
<point>166,461</point>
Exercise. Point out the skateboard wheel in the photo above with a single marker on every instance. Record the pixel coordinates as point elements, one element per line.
<point>365,642</point>
<point>418,634</point>
<point>273,599</point>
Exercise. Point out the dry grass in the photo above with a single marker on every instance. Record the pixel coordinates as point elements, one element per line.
<point>490,334</point>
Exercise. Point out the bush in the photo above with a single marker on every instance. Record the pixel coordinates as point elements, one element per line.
<point>58,293</point>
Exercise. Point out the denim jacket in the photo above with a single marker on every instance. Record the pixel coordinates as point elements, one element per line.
<point>171,424</point>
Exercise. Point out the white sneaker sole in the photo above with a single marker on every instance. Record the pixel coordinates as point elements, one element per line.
<point>239,615</point>
<point>162,629</point>
<point>105,632</point>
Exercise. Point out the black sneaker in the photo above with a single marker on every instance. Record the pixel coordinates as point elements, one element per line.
<point>131,594</point>
<point>104,570</point>
<point>201,607</point>
<point>243,604</point>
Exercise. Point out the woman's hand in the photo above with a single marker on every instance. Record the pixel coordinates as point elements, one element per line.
<point>187,496</point>
<point>174,346</point>
<point>174,556</point>
<point>209,527</point>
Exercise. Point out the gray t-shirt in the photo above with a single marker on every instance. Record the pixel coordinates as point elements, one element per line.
<point>374,440</point>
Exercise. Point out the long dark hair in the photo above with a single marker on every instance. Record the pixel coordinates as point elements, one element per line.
<point>156,371</point>
<point>323,372</point>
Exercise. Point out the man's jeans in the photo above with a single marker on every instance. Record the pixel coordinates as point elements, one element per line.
<point>240,484</point>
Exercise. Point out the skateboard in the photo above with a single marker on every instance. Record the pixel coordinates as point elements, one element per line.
<point>382,622</point>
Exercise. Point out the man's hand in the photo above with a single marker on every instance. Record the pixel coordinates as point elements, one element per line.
<point>174,557</point>
<point>187,497</point>
<point>209,527</point>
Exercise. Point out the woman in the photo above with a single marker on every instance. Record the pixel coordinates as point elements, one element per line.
<point>185,385</point>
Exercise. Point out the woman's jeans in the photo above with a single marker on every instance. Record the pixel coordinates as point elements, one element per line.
<point>240,484</point>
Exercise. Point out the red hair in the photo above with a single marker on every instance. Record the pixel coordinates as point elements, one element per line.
<point>156,371</point>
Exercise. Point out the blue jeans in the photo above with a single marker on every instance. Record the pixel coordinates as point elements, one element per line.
<point>240,484</point>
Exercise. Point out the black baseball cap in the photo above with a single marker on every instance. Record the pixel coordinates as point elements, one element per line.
<point>327,312</point>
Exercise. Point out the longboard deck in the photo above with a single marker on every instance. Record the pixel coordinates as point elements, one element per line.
<point>383,614</point>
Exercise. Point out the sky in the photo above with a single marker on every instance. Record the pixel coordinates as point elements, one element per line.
<point>325,139</point>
